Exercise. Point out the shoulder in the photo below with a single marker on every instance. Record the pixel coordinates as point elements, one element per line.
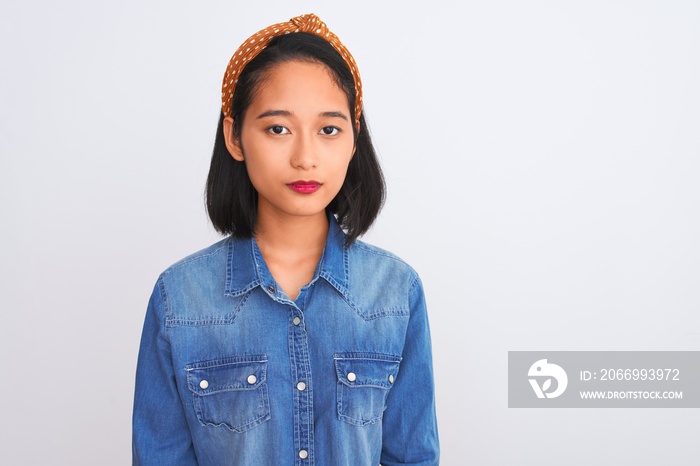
<point>375,251</point>
<point>380,282</point>
<point>198,273</point>
<point>368,256</point>
<point>199,258</point>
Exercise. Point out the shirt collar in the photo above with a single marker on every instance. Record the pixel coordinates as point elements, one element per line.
<point>246,269</point>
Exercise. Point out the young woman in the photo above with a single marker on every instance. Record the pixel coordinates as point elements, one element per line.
<point>289,342</point>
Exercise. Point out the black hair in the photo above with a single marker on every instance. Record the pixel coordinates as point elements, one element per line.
<point>231,199</point>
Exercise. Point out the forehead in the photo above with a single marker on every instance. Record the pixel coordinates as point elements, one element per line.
<point>299,83</point>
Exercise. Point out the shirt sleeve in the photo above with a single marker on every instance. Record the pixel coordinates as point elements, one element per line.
<point>409,424</point>
<point>161,435</point>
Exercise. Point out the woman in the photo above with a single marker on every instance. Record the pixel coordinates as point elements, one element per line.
<point>290,341</point>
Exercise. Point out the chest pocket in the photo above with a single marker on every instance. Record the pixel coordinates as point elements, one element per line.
<point>230,392</point>
<point>364,381</point>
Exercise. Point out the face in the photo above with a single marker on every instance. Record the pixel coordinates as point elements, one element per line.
<point>296,140</point>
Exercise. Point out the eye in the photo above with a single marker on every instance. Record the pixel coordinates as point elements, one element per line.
<point>330,130</point>
<point>277,129</point>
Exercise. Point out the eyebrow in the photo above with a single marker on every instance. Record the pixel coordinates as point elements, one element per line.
<point>287,113</point>
<point>334,115</point>
<point>270,113</point>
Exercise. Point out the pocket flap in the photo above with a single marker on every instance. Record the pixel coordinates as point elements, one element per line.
<point>226,374</point>
<point>366,369</point>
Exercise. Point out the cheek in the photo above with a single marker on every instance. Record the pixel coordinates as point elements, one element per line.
<point>340,168</point>
<point>263,173</point>
<point>262,162</point>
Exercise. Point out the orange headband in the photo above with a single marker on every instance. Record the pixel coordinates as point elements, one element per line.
<point>257,42</point>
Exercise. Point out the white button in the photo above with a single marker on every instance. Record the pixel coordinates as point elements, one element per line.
<point>252,379</point>
<point>351,376</point>
<point>391,378</point>
<point>296,321</point>
<point>204,384</point>
<point>301,386</point>
<point>303,454</point>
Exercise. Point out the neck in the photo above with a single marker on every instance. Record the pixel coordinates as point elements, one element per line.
<point>293,234</point>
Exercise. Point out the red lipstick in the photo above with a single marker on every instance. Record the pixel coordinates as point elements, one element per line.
<point>305,187</point>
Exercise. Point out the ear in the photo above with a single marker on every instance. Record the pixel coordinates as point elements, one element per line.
<point>232,144</point>
<point>354,144</point>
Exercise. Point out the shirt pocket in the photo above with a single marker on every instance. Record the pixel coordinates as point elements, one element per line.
<point>230,391</point>
<point>364,381</point>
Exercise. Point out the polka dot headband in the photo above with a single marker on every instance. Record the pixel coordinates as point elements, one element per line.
<point>256,43</point>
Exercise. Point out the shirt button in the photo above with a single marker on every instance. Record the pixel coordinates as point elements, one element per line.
<point>303,454</point>
<point>301,386</point>
<point>351,376</point>
<point>296,321</point>
<point>391,378</point>
<point>252,379</point>
<point>204,384</point>
<point>271,288</point>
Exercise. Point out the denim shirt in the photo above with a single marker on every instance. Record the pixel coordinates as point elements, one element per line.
<point>233,372</point>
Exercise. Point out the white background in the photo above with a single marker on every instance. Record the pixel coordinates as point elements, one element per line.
<point>543,165</point>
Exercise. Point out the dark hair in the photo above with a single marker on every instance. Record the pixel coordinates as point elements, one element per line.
<point>231,199</point>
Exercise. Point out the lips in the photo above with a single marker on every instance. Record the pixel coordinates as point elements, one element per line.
<point>304,187</point>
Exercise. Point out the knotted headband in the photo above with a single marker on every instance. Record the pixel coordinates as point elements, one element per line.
<point>256,43</point>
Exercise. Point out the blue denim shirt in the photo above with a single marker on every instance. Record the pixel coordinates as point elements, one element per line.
<point>233,372</point>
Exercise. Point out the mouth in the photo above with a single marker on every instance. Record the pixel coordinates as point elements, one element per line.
<point>305,187</point>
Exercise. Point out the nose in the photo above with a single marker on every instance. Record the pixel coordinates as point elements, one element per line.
<point>304,153</point>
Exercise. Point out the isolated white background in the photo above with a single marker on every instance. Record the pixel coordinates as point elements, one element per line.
<point>543,165</point>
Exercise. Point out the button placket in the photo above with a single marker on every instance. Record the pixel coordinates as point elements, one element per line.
<point>301,372</point>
